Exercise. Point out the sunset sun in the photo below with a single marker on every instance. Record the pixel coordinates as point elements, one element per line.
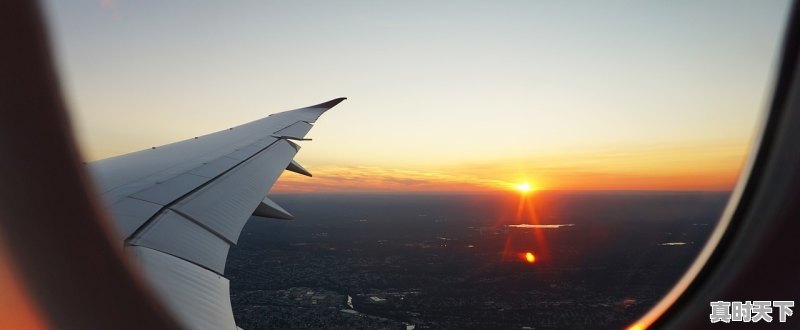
<point>524,187</point>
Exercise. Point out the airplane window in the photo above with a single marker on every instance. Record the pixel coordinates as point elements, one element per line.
<point>516,164</point>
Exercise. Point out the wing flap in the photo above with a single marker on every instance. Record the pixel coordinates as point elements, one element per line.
<point>176,235</point>
<point>199,298</point>
<point>225,204</point>
<point>129,214</point>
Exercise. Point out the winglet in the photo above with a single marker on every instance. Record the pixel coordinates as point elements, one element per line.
<point>329,104</point>
<point>269,209</point>
<point>297,168</point>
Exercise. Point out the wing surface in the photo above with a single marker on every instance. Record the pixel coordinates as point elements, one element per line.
<point>178,208</point>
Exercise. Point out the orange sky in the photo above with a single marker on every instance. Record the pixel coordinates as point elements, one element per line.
<point>690,167</point>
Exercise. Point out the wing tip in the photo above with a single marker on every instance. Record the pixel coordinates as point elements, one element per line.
<point>329,104</point>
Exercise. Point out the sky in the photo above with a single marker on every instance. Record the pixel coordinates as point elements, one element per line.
<point>442,96</point>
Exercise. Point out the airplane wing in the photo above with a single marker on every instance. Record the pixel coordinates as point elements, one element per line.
<point>179,207</point>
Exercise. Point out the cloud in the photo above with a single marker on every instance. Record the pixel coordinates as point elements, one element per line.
<point>367,178</point>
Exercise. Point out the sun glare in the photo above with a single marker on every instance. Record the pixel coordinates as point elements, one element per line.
<point>529,257</point>
<point>524,187</point>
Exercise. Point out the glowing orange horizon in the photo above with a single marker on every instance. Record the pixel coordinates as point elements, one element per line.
<point>372,179</point>
<point>677,167</point>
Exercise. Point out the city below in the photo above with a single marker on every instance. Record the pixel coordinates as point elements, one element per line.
<point>550,260</point>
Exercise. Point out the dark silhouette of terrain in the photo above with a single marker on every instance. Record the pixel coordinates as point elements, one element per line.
<point>450,260</point>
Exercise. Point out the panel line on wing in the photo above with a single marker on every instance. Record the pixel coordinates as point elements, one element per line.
<point>149,221</point>
<point>177,256</point>
<point>226,205</point>
<point>202,225</point>
<point>120,190</point>
<point>210,180</point>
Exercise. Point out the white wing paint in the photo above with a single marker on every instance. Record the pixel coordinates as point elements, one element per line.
<point>179,207</point>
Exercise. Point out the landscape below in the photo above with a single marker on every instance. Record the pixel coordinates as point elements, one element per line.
<point>438,261</point>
